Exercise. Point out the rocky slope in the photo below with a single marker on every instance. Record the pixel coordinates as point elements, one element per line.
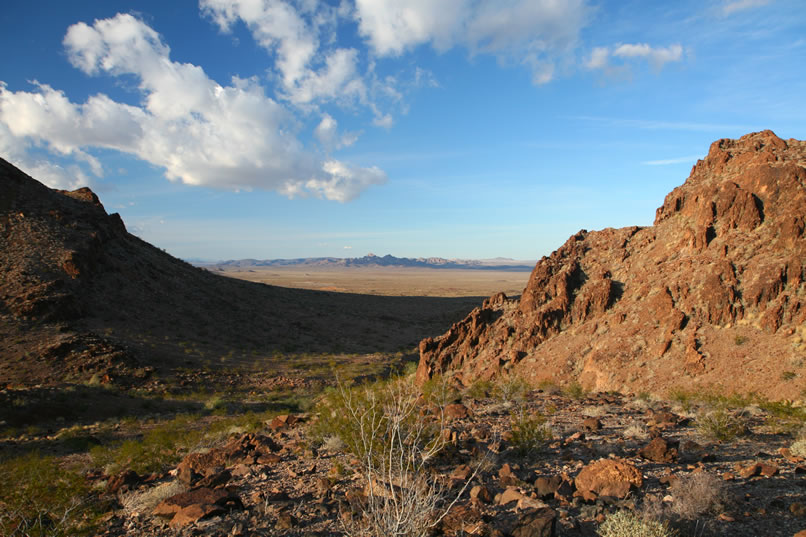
<point>712,294</point>
<point>80,296</point>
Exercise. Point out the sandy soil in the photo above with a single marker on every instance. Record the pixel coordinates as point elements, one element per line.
<point>388,281</point>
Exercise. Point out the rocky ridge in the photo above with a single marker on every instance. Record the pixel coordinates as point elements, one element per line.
<point>712,294</point>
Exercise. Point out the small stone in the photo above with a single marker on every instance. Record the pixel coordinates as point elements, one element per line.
<point>456,411</point>
<point>536,523</point>
<point>481,493</point>
<point>511,494</point>
<point>547,486</point>
<point>798,509</point>
<point>659,450</point>
<point>591,424</point>
<point>768,470</point>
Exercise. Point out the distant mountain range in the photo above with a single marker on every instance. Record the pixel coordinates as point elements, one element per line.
<point>372,260</point>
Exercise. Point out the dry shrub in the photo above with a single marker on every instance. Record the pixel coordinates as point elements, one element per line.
<point>395,444</point>
<point>636,431</point>
<point>721,425</point>
<point>144,501</point>
<point>629,524</point>
<point>697,494</point>
<point>798,447</point>
<point>510,388</point>
<point>595,411</point>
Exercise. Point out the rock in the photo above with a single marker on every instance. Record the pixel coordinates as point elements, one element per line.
<point>506,476</point>
<point>481,493</point>
<point>456,411</point>
<point>768,470</point>
<point>201,496</point>
<point>726,246</point>
<point>660,450</point>
<point>591,424</point>
<point>536,523</point>
<point>547,486</point>
<point>798,509</point>
<point>462,473</point>
<point>282,421</point>
<point>123,482</point>
<point>285,521</point>
<point>510,494</point>
<point>607,477</point>
<point>216,480</point>
<point>193,513</point>
<point>566,490</point>
<point>801,533</point>
<point>461,520</point>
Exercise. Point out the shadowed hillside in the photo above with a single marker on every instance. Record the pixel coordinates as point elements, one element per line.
<point>80,296</point>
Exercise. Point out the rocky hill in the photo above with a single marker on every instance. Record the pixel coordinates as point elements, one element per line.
<point>82,297</point>
<point>712,294</point>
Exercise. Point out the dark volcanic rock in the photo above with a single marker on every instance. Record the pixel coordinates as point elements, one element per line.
<point>649,308</point>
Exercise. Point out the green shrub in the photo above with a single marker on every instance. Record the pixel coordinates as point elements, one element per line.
<point>629,524</point>
<point>575,390</point>
<point>530,432</point>
<point>361,415</point>
<point>788,375</point>
<point>38,498</point>
<point>721,425</point>
<point>510,387</point>
<point>480,389</point>
<point>438,391</point>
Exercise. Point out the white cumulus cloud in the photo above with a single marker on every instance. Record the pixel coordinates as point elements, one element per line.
<point>656,56</point>
<point>200,132</point>
<point>535,32</point>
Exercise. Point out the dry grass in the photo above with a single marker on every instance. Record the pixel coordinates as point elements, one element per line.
<point>697,494</point>
<point>636,431</point>
<point>629,524</point>
<point>144,501</point>
<point>596,411</point>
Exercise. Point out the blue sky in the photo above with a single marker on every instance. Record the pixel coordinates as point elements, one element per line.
<point>226,129</point>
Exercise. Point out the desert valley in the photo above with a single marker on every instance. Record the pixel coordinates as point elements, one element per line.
<point>637,381</point>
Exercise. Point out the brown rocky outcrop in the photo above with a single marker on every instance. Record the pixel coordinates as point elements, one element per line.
<point>712,294</point>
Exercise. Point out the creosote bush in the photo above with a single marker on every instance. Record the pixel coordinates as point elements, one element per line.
<point>721,425</point>
<point>629,524</point>
<point>530,432</point>
<point>38,498</point>
<point>575,390</point>
<point>395,444</point>
<point>511,387</point>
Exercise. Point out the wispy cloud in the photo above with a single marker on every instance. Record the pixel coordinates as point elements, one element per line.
<point>669,161</point>
<point>650,124</point>
<point>732,6</point>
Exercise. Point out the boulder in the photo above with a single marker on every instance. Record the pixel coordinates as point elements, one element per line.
<point>607,477</point>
